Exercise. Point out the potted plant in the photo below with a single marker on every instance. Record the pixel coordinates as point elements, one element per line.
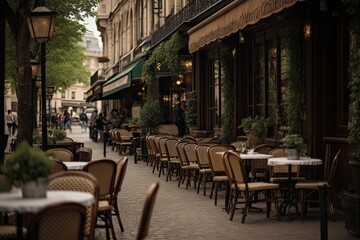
<point>191,111</point>
<point>53,135</point>
<point>29,167</point>
<point>294,146</point>
<point>255,129</point>
<point>151,117</point>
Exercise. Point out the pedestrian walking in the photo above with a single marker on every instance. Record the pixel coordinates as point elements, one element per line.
<point>83,121</point>
<point>9,121</point>
<point>67,121</point>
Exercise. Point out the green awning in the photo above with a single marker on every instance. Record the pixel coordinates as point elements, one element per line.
<point>123,79</point>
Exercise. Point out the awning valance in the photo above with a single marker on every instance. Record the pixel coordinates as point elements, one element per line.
<point>235,16</point>
<point>123,79</point>
<point>94,93</point>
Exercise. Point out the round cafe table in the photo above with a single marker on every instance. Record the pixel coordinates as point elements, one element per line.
<point>289,202</point>
<point>14,201</point>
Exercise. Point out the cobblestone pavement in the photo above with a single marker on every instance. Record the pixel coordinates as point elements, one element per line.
<point>180,213</point>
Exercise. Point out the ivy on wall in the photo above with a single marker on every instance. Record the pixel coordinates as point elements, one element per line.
<point>165,54</point>
<point>295,92</point>
<point>227,93</point>
<point>353,9</point>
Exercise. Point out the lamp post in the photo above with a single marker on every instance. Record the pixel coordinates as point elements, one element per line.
<point>50,92</point>
<point>34,72</point>
<point>41,27</point>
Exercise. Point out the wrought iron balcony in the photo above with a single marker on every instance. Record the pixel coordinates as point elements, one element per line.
<point>186,14</point>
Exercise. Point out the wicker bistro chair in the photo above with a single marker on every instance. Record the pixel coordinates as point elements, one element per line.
<point>119,179</point>
<point>191,161</point>
<point>58,222</point>
<point>173,157</point>
<point>7,231</point>
<point>58,166</point>
<point>62,154</point>
<point>106,181</point>
<point>308,187</point>
<point>151,152</point>
<point>279,174</point>
<point>162,159</point>
<point>186,168</point>
<point>82,182</point>
<point>239,177</point>
<point>259,166</point>
<point>205,173</point>
<point>124,140</point>
<point>217,167</point>
<point>144,225</point>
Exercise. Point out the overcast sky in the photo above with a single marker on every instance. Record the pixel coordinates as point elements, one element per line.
<point>91,27</point>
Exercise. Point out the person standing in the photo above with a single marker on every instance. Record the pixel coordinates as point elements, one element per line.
<point>180,118</point>
<point>67,122</point>
<point>9,121</point>
<point>83,121</point>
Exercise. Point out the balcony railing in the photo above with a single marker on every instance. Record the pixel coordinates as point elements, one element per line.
<point>189,12</point>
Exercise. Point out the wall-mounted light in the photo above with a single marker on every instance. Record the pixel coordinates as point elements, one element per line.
<point>158,66</point>
<point>241,37</point>
<point>307,31</point>
<point>233,52</point>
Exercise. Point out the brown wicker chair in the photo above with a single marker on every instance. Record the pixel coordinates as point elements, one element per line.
<point>259,166</point>
<point>119,179</point>
<point>7,231</point>
<point>58,166</point>
<point>173,157</point>
<point>106,182</point>
<point>58,222</point>
<point>308,187</point>
<point>143,231</point>
<point>205,173</point>
<point>62,154</point>
<point>238,173</point>
<point>186,168</point>
<point>217,167</point>
<point>82,182</point>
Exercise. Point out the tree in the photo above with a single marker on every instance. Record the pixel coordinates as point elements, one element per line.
<point>68,30</point>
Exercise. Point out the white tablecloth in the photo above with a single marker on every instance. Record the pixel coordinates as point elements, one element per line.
<point>15,202</point>
<point>74,165</point>
<point>285,161</point>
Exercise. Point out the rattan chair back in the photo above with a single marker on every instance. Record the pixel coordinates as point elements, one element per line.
<point>202,156</point>
<point>62,154</point>
<point>190,152</point>
<point>104,171</point>
<point>79,181</point>
<point>143,231</point>
<point>57,166</point>
<point>216,159</point>
<point>181,153</point>
<point>58,222</point>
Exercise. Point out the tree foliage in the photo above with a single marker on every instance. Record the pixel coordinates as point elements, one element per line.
<point>64,57</point>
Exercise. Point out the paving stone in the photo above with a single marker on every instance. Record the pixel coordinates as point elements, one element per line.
<point>180,213</point>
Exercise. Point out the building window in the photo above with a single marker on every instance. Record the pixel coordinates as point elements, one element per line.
<point>72,95</point>
<point>63,95</point>
<point>267,77</point>
<point>213,102</point>
<point>85,95</point>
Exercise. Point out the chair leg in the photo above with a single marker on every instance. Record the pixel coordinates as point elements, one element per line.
<point>330,205</point>
<point>117,213</point>
<point>246,208</point>
<point>200,181</point>
<point>234,202</point>
<point>216,192</point>
<point>302,204</point>
<point>212,189</point>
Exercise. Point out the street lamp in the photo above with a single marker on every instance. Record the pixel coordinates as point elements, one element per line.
<point>50,92</point>
<point>41,27</point>
<point>34,72</point>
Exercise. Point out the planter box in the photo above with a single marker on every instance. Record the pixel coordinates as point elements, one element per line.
<point>350,203</point>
